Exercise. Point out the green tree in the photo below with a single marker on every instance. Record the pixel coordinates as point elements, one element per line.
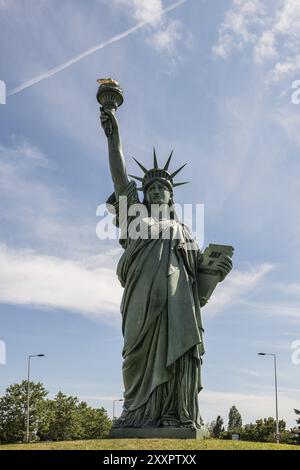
<point>61,417</point>
<point>264,430</point>
<point>13,410</point>
<point>94,422</point>
<point>296,432</point>
<point>298,420</point>
<point>65,418</point>
<point>234,420</point>
<point>217,427</point>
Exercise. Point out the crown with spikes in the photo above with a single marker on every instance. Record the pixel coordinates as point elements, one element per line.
<point>157,173</point>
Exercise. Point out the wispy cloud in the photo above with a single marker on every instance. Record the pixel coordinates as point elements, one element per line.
<point>282,308</point>
<point>286,68</point>
<point>146,14</point>
<point>239,26</point>
<point>164,33</point>
<point>265,47</point>
<point>166,39</point>
<point>22,150</point>
<point>251,406</point>
<point>237,288</point>
<point>28,278</point>
<point>142,10</point>
<point>37,212</point>
<point>68,275</point>
<point>272,31</point>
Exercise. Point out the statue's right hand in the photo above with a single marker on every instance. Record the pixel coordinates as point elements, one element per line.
<point>108,122</point>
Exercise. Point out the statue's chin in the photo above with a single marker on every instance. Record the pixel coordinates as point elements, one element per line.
<point>159,202</point>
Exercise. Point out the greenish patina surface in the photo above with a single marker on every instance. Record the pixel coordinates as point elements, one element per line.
<point>161,318</point>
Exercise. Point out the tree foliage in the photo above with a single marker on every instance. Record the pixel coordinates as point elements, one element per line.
<point>298,420</point>
<point>296,432</point>
<point>234,420</point>
<point>264,430</point>
<point>63,418</point>
<point>217,427</point>
<point>13,409</point>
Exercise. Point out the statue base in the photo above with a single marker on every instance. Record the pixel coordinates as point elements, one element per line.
<point>156,433</point>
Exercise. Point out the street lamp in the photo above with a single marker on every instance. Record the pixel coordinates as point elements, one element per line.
<point>115,401</point>
<point>28,390</point>
<point>276,397</point>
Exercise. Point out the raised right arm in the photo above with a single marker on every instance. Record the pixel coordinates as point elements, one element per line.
<point>116,158</point>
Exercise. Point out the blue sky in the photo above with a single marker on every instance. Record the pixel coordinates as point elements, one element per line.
<point>213,81</point>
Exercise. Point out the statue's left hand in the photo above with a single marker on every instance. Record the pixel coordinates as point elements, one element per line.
<point>224,265</point>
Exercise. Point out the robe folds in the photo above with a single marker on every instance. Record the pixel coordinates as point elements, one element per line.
<point>161,321</point>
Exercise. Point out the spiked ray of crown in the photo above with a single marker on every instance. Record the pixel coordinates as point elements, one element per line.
<point>157,173</point>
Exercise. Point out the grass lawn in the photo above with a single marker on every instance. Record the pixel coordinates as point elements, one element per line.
<point>149,444</point>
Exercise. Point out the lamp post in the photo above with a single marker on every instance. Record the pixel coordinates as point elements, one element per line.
<point>115,401</point>
<point>276,395</point>
<point>28,393</point>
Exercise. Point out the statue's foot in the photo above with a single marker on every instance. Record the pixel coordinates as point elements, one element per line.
<point>170,423</point>
<point>188,426</point>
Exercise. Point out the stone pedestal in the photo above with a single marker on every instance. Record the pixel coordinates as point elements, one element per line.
<point>156,433</point>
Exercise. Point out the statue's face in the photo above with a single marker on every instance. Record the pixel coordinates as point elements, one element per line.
<point>158,193</point>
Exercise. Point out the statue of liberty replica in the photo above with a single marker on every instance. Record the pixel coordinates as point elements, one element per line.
<point>166,281</point>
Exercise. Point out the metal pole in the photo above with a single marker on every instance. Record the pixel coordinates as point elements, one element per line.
<point>276,400</point>
<point>276,393</point>
<point>28,395</point>
<point>114,401</point>
<point>27,415</point>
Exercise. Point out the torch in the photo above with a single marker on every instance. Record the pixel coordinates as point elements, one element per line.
<point>109,96</point>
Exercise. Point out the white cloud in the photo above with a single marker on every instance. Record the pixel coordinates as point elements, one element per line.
<point>143,10</point>
<point>238,27</point>
<point>166,32</point>
<point>23,150</point>
<point>288,18</point>
<point>272,31</point>
<point>28,278</point>
<point>251,406</point>
<point>286,31</point>
<point>39,214</point>
<point>166,39</point>
<point>292,289</point>
<point>265,48</point>
<point>237,287</point>
<point>286,68</point>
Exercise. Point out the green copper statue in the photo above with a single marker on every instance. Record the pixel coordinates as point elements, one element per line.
<point>165,283</point>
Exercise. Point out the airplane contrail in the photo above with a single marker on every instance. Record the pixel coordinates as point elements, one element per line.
<point>70,62</point>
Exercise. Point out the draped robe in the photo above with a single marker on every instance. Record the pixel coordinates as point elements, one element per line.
<point>161,322</point>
